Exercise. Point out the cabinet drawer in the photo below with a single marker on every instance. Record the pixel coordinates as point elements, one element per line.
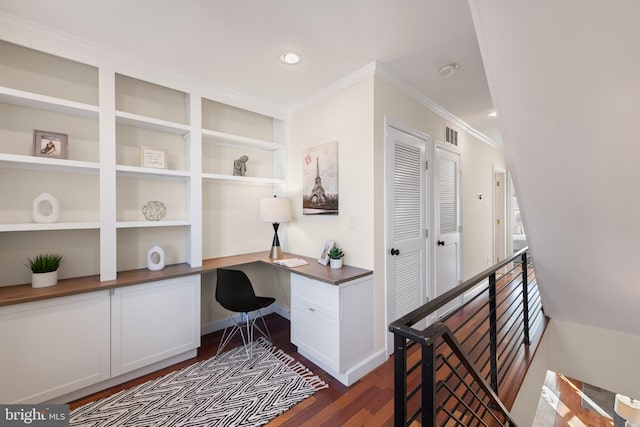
<point>319,295</point>
<point>316,334</point>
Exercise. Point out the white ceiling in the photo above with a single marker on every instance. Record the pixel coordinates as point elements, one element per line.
<point>236,44</point>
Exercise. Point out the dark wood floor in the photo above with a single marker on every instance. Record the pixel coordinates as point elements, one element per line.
<point>368,402</point>
<point>565,402</point>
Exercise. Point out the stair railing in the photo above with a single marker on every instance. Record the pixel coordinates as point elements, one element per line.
<point>449,372</point>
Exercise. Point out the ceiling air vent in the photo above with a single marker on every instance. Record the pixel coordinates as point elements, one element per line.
<point>450,135</point>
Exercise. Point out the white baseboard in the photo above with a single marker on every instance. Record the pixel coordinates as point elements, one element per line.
<point>353,374</point>
<point>220,324</point>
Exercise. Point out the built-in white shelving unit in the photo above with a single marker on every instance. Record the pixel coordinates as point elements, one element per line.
<point>144,224</point>
<point>212,136</point>
<point>130,119</point>
<point>108,115</point>
<point>50,227</point>
<point>241,179</point>
<point>46,164</point>
<point>149,172</point>
<point>43,102</point>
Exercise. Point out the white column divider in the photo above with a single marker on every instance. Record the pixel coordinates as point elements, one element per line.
<point>194,242</point>
<point>107,126</point>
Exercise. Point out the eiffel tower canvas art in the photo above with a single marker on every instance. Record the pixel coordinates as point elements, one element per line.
<point>320,179</point>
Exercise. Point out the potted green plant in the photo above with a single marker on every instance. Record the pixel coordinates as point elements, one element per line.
<point>44,269</point>
<point>336,255</point>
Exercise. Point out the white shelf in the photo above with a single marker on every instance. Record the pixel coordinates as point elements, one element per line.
<point>147,224</point>
<point>241,179</point>
<point>137,171</point>
<point>47,227</point>
<point>48,103</point>
<point>144,112</point>
<point>130,119</point>
<point>47,164</point>
<point>216,137</point>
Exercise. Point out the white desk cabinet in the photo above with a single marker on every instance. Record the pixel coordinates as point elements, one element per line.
<point>332,325</point>
<point>154,321</point>
<point>53,347</point>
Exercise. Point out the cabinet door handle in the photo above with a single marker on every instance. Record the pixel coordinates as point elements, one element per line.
<point>440,242</point>
<point>312,309</point>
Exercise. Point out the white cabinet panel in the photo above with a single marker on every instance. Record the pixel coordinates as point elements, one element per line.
<point>356,321</point>
<point>332,325</point>
<point>53,347</point>
<point>154,321</point>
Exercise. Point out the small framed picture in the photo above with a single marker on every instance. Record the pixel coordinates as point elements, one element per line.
<point>324,256</point>
<point>50,144</point>
<point>151,157</point>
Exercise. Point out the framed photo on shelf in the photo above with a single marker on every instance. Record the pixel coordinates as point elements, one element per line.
<point>50,144</point>
<point>324,256</point>
<point>151,157</point>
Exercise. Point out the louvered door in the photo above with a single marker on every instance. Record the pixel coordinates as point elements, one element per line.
<point>447,222</point>
<point>406,225</point>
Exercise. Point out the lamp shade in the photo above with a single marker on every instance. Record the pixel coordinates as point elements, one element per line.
<point>275,210</point>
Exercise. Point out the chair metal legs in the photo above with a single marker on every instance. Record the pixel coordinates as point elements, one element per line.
<point>248,321</point>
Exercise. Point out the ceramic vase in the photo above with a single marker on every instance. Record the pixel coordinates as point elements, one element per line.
<point>155,258</point>
<point>336,263</point>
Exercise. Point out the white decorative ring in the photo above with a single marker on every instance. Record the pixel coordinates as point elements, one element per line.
<point>155,252</point>
<point>46,209</point>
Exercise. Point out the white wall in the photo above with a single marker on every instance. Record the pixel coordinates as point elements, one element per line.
<point>477,162</point>
<point>347,117</point>
<point>604,358</point>
<point>568,120</point>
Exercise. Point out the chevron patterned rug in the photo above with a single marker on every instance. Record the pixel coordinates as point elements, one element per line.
<point>226,390</point>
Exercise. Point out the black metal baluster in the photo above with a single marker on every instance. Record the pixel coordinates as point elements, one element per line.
<point>493,332</point>
<point>525,299</point>
<point>428,385</point>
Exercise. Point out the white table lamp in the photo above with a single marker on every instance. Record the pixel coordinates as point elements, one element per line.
<point>275,210</point>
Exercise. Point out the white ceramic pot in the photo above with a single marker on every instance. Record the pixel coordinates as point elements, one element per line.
<point>336,263</point>
<point>42,280</point>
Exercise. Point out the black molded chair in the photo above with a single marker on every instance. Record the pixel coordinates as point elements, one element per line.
<point>235,293</point>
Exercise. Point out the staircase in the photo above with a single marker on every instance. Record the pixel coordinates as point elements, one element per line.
<point>461,369</point>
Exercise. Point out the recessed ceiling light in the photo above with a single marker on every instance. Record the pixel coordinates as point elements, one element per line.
<point>492,114</point>
<point>290,58</point>
<point>448,69</point>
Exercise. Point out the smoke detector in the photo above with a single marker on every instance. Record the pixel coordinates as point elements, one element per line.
<point>448,69</point>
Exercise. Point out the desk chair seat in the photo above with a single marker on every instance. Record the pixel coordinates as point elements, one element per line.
<point>235,293</point>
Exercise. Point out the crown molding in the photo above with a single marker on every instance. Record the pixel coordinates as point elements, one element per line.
<point>350,79</point>
<point>387,77</point>
<point>375,69</point>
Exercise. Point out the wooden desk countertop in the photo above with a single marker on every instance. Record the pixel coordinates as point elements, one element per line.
<point>25,293</point>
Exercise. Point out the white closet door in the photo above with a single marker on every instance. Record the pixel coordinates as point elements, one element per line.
<point>447,210</point>
<point>406,226</point>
